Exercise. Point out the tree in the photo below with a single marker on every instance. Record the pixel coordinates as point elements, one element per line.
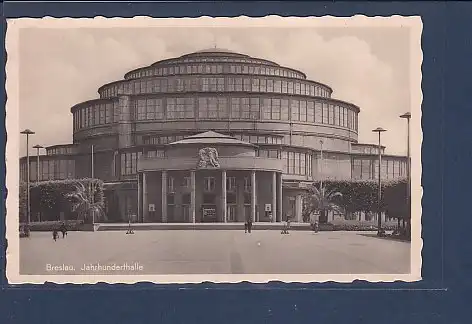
<point>23,202</point>
<point>323,200</point>
<point>84,200</point>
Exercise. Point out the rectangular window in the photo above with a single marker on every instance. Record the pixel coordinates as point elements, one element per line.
<point>212,108</point>
<point>220,84</point>
<point>102,114</point>
<point>295,110</point>
<point>284,115</point>
<point>303,164</point>
<point>266,111</point>
<point>223,108</point>
<point>238,84</point>
<point>297,88</point>
<point>325,113</point>
<point>276,109</point>
<point>171,108</point>
<point>96,110</point>
<point>291,162</point>
<point>277,86</point>
<point>284,87</point>
<point>247,84</point>
<point>336,115</point>
<point>331,115</point>
<point>209,184</point>
<point>170,184</point>
<point>247,184</point>
<point>290,87</point>
<point>235,108</point>
<point>230,84</point>
<point>205,84</point>
<point>346,118</point>
<point>231,184</point>
<point>366,169</point>
<point>213,84</point>
<point>189,108</point>
<point>263,85</point>
<point>202,108</point>
<point>255,108</point>
<point>270,85</point>
<point>303,110</point>
<point>297,163</point>
<point>285,161</point>
<point>245,108</point>
<point>255,85</point>
<point>310,111</point>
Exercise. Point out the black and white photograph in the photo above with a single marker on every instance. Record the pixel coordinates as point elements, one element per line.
<point>186,150</point>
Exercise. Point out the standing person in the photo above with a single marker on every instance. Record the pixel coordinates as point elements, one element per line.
<point>54,234</point>
<point>248,224</point>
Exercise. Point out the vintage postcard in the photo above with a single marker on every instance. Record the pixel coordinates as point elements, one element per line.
<point>214,149</point>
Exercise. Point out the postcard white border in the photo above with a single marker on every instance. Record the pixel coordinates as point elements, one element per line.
<point>415,25</point>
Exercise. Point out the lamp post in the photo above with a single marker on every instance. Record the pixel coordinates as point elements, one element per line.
<point>38,147</point>
<point>379,211</point>
<point>92,189</point>
<point>321,165</point>
<point>407,116</point>
<point>27,132</point>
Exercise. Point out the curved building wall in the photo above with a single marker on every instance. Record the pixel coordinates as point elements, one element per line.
<point>252,99</point>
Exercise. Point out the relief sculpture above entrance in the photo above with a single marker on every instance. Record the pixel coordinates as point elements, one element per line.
<point>208,158</point>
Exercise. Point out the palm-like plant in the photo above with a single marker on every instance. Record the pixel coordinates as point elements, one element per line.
<point>82,202</point>
<point>323,200</point>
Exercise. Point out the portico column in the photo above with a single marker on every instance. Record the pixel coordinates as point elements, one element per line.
<point>223,195</point>
<point>145,208</point>
<point>140,201</point>
<point>274,197</point>
<point>280,199</point>
<point>144,200</point>
<point>164,197</point>
<point>192,196</point>
<point>253,196</point>
<point>298,208</point>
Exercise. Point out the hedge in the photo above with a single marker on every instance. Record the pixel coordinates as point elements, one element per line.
<point>53,196</point>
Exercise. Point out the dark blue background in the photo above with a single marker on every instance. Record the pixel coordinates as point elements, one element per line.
<point>444,294</point>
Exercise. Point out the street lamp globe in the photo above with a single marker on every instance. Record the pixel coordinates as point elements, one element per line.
<point>406,115</point>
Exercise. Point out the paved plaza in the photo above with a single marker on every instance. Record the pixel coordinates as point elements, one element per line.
<point>213,252</point>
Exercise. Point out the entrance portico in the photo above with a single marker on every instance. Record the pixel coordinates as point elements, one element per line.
<point>210,177</point>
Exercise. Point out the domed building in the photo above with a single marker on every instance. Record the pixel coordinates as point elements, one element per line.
<point>213,136</point>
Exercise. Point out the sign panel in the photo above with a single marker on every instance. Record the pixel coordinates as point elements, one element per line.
<point>152,207</point>
<point>268,207</point>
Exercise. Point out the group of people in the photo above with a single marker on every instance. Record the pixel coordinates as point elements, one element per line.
<point>56,230</point>
<point>286,227</point>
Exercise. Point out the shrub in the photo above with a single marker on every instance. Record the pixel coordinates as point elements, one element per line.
<point>54,196</point>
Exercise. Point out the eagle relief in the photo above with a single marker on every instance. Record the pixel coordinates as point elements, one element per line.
<point>208,158</point>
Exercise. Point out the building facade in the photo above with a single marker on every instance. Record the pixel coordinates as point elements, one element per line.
<point>270,130</point>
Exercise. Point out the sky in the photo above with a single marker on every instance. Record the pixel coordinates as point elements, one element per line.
<point>368,67</point>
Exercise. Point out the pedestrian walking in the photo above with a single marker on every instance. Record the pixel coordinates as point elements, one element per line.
<point>55,234</point>
<point>63,230</point>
